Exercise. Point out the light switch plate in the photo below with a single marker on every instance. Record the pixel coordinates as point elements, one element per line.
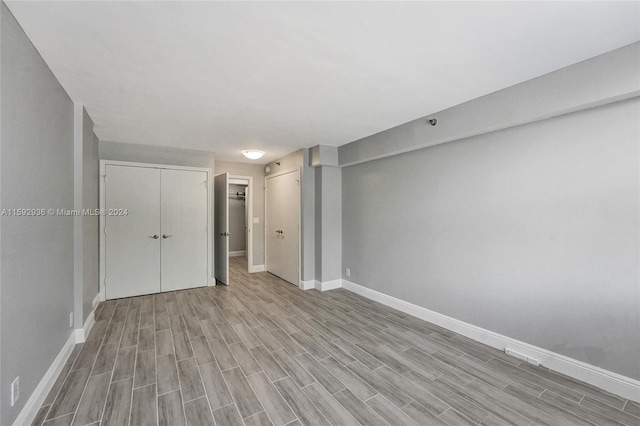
<point>256,220</point>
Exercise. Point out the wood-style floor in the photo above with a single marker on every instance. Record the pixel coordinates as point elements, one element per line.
<point>262,352</point>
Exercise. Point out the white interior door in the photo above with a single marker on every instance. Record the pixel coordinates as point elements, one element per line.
<point>132,241</point>
<point>289,225</point>
<point>184,248</point>
<point>282,226</point>
<point>272,226</point>
<point>221,227</point>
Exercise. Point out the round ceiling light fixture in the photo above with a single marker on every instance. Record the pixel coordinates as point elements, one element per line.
<point>252,154</point>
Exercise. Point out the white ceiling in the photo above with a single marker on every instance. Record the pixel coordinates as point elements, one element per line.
<point>227,76</point>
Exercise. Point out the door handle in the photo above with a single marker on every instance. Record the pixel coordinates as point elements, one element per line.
<point>225,234</point>
<point>155,237</point>
<point>279,231</point>
<point>165,236</point>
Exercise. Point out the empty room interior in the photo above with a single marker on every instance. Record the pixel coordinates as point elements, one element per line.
<point>319,213</point>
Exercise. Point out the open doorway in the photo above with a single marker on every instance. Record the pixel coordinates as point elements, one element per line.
<point>240,195</point>
<point>240,226</point>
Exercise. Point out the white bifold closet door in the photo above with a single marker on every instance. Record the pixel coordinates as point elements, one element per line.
<point>184,229</point>
<point>132,241</point>
<point>282,225</point>
<point>161,243</point>
<point>273,196</point>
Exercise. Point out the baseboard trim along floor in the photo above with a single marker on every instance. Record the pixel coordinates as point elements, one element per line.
<point>79,335</point>
<point>256,268</point>
<point>328,285</point>
<point>82,333</point>
<point>320,285</point>
<point>307,285</point>
<point>30,409</point>
<point>604,379</point>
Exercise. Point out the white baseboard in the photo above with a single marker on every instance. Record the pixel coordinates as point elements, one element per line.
<point>256,268</point>
<point>596,376</point>
<point>328,285</point>
<point>320,285</point>
<point>82,333</point>
<point>237,253</point>
<point>307,285</point>
<point>30,409</point>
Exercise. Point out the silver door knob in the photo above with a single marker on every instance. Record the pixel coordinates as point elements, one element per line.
<point>155,237</point>
<point>165,236</point>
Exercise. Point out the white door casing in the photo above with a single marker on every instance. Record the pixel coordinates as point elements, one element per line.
<point>221,227</point>
<point>184,229</point>
<point>132,240</point>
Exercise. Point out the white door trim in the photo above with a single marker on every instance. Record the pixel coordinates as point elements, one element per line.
<point>282,172</point>
<point>266,219</point>
<point>249,200</point>
<point>103,166</point>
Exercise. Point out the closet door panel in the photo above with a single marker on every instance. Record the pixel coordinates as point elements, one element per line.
<point>289,224</point>
<point>273,225</point>
<point>184,250</point>
<point>132,265</point>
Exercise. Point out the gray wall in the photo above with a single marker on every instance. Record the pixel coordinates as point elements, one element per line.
<point>317,225</point>
<point>531,232</point>
<point>90,224</point>
<point>301,159</point>
<point>257,172</point>
<point>237,220</point>
<point>36,171</point>
<point>136,153</point>
<point>328,226</point>
<point>86,228</point>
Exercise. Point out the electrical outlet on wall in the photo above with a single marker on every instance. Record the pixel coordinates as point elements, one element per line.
<point>71,319</point>
<point>15,391</point>
<point>348,272</point>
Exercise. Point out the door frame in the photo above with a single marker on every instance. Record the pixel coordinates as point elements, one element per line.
<point>102,187</point>
<point>221,245</point>
<point>266,218</point>
<point>249,212</point>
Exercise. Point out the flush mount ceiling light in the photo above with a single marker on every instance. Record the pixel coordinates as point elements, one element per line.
<point>252,154</point>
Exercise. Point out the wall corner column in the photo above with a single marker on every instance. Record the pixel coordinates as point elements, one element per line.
<point>328,216</point>
<point>78,126</point>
